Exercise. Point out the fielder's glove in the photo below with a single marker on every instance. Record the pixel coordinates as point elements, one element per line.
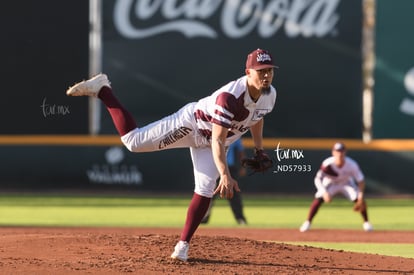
<point>259,163</point>
<point>360,205</point>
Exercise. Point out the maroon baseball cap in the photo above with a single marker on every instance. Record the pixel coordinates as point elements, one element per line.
<point>259,59</point>
<point>339,146</point>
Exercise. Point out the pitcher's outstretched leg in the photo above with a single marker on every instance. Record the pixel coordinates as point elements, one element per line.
<point>99,86</point>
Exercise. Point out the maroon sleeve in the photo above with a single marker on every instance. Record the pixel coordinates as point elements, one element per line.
<point>233,106</point>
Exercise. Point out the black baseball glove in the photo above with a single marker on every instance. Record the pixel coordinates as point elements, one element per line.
<point>261,162</point>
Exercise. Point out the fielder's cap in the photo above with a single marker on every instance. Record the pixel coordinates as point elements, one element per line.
<point>339,146</point>
<point>259,59</point>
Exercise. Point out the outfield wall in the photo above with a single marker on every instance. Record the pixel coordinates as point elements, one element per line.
<point>101,163</point>
<point>44,46</point>
<point>393,115</point>
<point>317,45</point>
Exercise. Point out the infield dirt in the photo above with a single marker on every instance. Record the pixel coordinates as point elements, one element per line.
<point>244,250</point>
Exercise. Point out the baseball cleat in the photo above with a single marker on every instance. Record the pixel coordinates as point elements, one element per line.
<point>305,226</point>
<point>181,251</point>
<point>90,87</point>
<point>367,226</point>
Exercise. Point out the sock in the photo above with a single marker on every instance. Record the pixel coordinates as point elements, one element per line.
<point>314,208</point>
<point>123,120</point>
<point>365,213</point>
<point>195,213</point>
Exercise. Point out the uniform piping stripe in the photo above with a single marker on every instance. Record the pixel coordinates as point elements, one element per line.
<point>224,111</point>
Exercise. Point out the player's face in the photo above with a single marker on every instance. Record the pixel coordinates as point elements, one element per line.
<point>261,79</point>
<point>339,157</point>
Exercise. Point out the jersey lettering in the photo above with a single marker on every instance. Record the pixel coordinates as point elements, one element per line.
<point>174,137</point>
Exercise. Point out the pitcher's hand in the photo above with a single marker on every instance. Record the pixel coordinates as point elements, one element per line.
<point>226,187</point>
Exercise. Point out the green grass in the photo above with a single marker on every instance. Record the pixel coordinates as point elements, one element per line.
<point>170,211</point>
<point>261,211</point>
<point>401,250</point>
<point>38,210</point>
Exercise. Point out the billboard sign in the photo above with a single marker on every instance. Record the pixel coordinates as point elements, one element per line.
<point>160,55</point>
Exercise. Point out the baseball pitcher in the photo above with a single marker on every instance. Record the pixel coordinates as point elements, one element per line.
<point>206,127</point>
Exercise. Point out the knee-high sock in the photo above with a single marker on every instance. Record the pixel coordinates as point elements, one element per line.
<point>314,208</point>
<point>195,213</point>
<point>364,213</point>
<point>123,120</point>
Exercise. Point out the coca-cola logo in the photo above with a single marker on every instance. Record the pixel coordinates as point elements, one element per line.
<point>238,18</point>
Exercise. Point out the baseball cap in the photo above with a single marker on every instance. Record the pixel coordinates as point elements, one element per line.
<point>339,146</point>
<point>259,59</point>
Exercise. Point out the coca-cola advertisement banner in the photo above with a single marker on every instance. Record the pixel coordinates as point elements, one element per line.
<point>160,55</point>
<point>394,71</point>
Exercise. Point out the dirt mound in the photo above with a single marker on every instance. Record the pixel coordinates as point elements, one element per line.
<point>212,251</point>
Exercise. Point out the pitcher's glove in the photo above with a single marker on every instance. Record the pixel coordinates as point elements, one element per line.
<point>360,205</point>
<point>259,163</point>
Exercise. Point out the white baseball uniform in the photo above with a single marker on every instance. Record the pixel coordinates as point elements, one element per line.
<point>333,179</point>
<point>230,106</point>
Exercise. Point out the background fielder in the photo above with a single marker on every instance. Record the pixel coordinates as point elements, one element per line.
<point>339,174</point>
<point>207,127</point>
